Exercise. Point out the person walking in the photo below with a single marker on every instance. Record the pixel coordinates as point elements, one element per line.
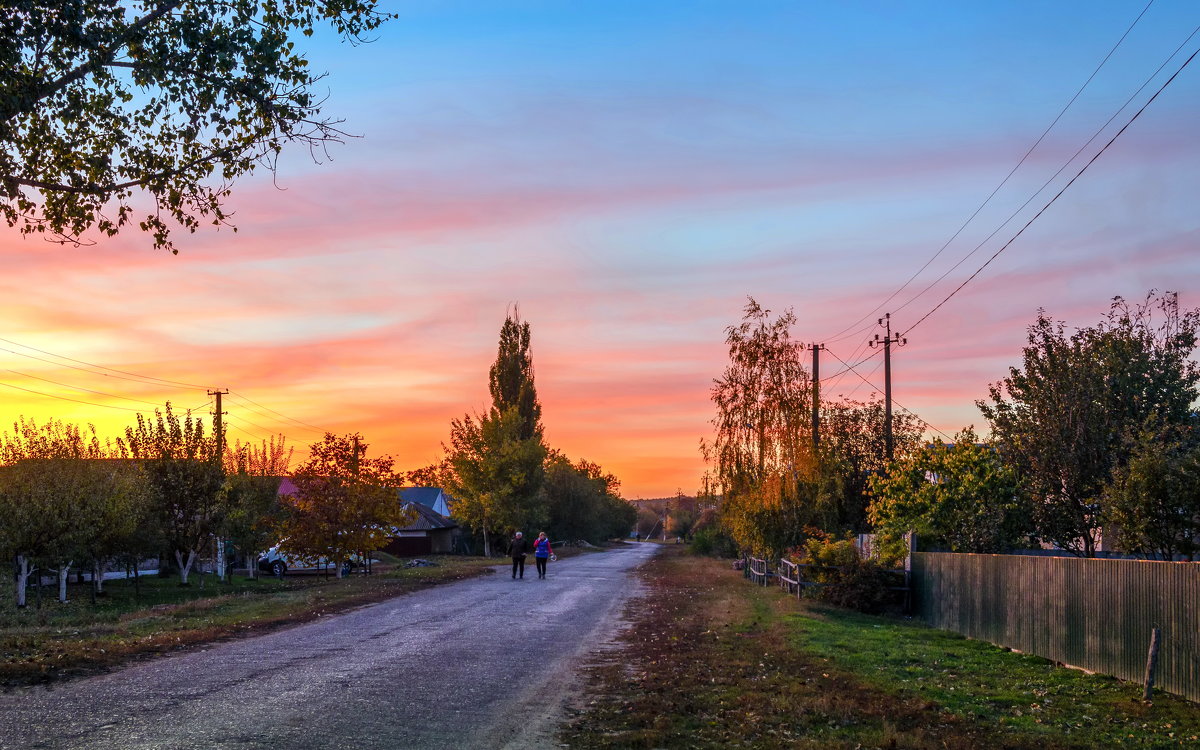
<point>541,553</point>
<point>518,547</point>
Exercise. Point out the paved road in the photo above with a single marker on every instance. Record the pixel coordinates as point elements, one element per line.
<point>477,664</point>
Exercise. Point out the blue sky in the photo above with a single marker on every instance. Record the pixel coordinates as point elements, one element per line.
<point>629,173</point>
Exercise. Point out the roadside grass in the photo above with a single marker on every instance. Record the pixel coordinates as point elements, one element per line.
<point>710,661</point>
<point>40,644</point>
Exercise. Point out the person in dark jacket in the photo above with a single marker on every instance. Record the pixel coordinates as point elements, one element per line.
<point>518,547</point>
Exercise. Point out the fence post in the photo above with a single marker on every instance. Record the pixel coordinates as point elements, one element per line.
<point>1151,662</point>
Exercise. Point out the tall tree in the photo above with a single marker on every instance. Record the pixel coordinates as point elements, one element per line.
<point>1066,419</point>
<point>497,476</point>
<point>345,502</point>
<point>763,427</point>
<point>497,458</point>
<point>762,452</point>
<point>101,98</point>
<point>184,469</point>
<point>510,379</point>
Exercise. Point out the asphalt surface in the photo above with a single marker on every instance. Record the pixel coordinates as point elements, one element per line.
<point>483,663</point>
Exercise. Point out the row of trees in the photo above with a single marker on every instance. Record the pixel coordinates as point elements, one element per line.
<point>504,477</point>
<point>167,489</point>
<point>776,487</point>
<point>1093,439</point>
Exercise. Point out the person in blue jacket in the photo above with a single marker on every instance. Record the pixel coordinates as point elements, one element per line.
<point>541,553</point>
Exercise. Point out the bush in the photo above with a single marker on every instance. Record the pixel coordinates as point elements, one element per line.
<point>714,542</point>
<point>852,582</point>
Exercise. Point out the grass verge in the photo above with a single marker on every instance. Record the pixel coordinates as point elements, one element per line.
<point>41,644</point>
<point>710,661</point>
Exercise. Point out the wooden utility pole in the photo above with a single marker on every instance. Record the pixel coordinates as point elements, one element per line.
<point>816,397</point>
<point>218,422</point>
<point>887,342</point>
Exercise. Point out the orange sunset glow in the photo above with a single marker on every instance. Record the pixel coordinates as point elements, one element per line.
<point>628,191</point>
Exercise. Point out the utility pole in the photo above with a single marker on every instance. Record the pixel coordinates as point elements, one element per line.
<point>887,342</point>
<point>816,397</point>
<point>218,422</point>
<point>219,429</point>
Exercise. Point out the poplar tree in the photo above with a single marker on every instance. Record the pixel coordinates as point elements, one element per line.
<point>497,458</point>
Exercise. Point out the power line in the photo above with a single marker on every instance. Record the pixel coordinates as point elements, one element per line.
<point>73,400</point>
<point>84,390</point>
<point>894,401</point>
<point>1052,177</point>
<point>839,335</point>
<point>1057,195</point>
<point>99,367</point>
<point>278,414</point>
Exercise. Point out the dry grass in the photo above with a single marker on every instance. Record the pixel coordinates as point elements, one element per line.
<point>710,661</point>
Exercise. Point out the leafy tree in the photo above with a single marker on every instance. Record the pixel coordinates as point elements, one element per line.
<point>1066,418</point>
<point>960,496</point>
<point>497,459</point>
<point>183,467</point>
<point>1153,502</point>
<point>345,503</point>
<point>510,379</point>
<point>762,452</point>
<point>63,498</point>
<point>854,448</point>
<point>583,501</point>
<point>101,98</point>
<point>497,477</point>
<point>253,512</point>
<point>763,428</point>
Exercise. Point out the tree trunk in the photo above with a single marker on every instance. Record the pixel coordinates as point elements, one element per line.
<point>64,570</point>
<point>98,570</point>
<point>22,578</point>
<point>487,541</point>
<point>184,568</point>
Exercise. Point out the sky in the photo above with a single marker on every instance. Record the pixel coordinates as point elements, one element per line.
<point>627,175</point>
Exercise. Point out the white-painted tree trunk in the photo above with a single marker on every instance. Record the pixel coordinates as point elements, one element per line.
<point>487,541</point>
<point>22,578</point>
<point>220,560</point>
<point>184,568</point>
<point>63,571</point>
<point>99,568</point>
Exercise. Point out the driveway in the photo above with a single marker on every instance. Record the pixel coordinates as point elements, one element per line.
<point>482,663</point>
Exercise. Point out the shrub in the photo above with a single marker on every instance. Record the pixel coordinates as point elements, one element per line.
<point>714,542</point>
<point>851,582</point>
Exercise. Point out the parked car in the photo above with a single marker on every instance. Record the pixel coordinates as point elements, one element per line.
<point>277,562</point>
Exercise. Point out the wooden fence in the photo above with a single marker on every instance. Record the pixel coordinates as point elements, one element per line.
<point>1095,614</point>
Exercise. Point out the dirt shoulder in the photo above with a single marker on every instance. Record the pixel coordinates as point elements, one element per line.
<point>711,661</point>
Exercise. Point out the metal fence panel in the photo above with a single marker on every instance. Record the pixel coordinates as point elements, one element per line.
<point>1096,614</point>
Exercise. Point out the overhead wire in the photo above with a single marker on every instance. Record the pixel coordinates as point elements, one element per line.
<point>84,390</point>
<point>1057,195</point>
<point>847,333</point>
<point>95,366</point>
<point>278,414</point>
<point>73,400</point>
<point>894,402</point>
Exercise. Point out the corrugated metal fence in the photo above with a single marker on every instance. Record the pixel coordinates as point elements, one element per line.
<point>1094,614</point>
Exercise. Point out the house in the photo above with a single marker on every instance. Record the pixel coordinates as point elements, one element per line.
<point>431,532</point>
